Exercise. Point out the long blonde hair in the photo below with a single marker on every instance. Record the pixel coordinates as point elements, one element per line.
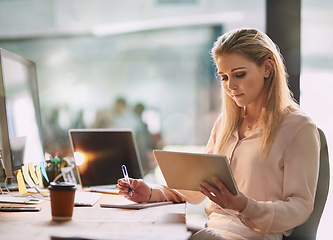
<point>278,100</point>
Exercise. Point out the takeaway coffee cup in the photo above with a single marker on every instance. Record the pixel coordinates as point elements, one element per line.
<point>62,200</point>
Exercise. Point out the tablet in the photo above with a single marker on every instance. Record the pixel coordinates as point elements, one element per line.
<point>183,170</point>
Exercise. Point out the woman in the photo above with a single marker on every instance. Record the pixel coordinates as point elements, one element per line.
<point>273,148</point>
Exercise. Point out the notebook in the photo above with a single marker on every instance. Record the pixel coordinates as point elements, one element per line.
<point>87,199</point>
<point>133,205</point>
<point>183,170</point>
<point>104,151</point>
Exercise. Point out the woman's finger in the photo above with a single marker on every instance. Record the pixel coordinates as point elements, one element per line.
<point>122,182</point>
<point>211,196</point>
<point>210,188</point>
<point>123,187</point>
<point>207,190</point>
<point>220,184</point>
<point>134,184</point>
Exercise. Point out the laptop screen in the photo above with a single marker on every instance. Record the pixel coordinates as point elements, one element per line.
<point>104,152</point>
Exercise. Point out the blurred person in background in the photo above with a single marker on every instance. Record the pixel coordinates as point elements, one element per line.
<point>122,116</point>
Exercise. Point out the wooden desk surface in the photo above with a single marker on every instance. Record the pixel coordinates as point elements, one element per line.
<point>163,222</point>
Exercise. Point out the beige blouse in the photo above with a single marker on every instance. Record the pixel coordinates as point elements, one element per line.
<point>280,188</point>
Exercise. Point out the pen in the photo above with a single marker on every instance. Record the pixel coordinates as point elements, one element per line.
<point>123,167</point>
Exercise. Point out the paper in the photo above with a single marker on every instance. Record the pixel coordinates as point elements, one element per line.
<point>39,176</point>
<point>32,173</point>
<point>20,182</point>
<point>27,177</point>
<point>26,200</point>
<point>133,205</point>
<point>68,175</point>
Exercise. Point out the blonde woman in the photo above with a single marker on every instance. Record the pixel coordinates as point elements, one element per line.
<point>273,147</point>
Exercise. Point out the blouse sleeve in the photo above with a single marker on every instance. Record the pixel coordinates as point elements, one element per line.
<point>301,166</point>
<point>163,193</point>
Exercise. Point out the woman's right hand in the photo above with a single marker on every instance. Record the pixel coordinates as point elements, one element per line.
<point>141,192</point>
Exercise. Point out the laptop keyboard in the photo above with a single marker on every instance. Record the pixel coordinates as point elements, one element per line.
<point>86,198</point>
<point>111,186</point>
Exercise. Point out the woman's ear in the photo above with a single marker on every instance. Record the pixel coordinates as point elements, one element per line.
<point>268,64</point>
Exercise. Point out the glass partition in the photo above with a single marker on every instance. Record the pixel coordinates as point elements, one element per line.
<point>149,70</point>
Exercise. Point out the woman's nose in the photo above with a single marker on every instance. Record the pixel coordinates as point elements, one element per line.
<point>232,85</point>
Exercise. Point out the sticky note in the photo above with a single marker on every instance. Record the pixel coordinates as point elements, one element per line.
<point>39,175</point>
<point>33,174</point>
<point>27,177</point>
<point>20,182</point>
<point>42,168</point>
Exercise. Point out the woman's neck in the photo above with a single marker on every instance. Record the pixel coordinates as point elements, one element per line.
<point>252,113</point>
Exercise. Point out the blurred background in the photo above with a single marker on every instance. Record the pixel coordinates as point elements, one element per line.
<point>145,64</point>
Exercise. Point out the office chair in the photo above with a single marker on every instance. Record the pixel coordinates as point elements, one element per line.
<point>308,230</point>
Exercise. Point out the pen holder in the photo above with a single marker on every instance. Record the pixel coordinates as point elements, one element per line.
<point>62,200</point>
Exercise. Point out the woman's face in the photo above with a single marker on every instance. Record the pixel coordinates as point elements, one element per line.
<point>241,79</point>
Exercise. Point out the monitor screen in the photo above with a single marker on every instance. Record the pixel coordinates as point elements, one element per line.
<point>20,119</point>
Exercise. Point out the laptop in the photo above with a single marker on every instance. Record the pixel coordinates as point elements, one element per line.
<point>104,151</point>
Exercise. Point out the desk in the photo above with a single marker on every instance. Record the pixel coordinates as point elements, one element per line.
<point>163,222</point>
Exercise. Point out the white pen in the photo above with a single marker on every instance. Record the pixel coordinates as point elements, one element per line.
<point>123,167</point>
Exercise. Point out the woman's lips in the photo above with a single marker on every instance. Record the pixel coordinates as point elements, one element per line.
<point>238,95</point>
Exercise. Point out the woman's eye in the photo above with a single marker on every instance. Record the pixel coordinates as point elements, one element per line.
<point>223,78</point>
<point>239,75</point>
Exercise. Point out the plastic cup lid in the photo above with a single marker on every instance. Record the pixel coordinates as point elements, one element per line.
<point>62,186</point>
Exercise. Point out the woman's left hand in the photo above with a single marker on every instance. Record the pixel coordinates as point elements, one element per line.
<point>222,196</point>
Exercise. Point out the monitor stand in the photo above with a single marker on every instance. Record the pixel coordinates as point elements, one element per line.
<point>10,186</point>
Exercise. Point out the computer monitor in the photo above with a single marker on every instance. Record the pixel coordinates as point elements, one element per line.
<point>20,118</point>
